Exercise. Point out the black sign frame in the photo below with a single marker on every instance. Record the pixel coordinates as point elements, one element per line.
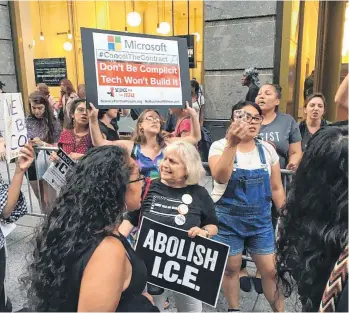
<point>45,66</point>
<point>191,46</point>
<point>88,52</point>
<point>210,293</point>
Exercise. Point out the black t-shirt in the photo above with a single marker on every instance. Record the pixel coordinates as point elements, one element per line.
<point>252,93</point>
<point>164,204</point>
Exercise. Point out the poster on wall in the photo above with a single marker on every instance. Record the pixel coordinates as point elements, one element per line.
<point>125,70</point>
<point>14,124</point>
<point>50,71</point>
<point>182,264</point>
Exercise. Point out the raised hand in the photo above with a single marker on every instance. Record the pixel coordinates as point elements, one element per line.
<point>237,131</point>
<point>26,157</point>
<point>92,112</point>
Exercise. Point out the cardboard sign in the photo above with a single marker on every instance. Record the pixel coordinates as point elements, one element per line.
<point>50,71</point>
<point>56,173</point>
<point>14,124</point>
<point>125,70</point>
<point>193,267</point>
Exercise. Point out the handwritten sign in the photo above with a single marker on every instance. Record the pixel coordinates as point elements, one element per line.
<point>134,70</point>
<point>56,173</point>
<point>14,124</point>
<point>176,262</point>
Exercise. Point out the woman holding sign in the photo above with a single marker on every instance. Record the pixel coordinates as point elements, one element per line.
<point>82,263</point>
<point>75,139</point>
<point>12,207</point>
<point>247,177</point>
<point>43,130</point>
<point>177,200</point>
<point>148,142</point>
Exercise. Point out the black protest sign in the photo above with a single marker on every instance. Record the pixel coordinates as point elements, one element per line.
<point>193,267</point>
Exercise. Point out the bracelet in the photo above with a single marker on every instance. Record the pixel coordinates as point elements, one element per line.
<point>208,235</point>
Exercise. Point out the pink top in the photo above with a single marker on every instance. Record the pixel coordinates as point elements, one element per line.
<point>183,125</point>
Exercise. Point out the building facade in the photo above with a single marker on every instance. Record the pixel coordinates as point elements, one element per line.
<point>284,40</point>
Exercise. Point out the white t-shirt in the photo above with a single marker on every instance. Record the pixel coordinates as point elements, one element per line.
<point>197,104</point>
<point>249,161</point>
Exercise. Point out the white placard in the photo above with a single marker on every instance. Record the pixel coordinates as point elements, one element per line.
<point>14,124</point>
<point>137,71</point>
<point>56,173</point>
<point>7,228</point>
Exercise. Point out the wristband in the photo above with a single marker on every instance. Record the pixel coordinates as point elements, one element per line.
<point>208,235</point>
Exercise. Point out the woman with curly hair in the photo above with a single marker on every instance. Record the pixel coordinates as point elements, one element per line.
<point>81,261</point>
<point>314,223</point>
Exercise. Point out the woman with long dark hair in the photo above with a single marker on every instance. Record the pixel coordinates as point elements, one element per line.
<point>75,139</point>
<point>107,120</point>
<point>68,95</point>
<point>81,261</point>
<point>314,225</point>
<point>43,130</point>
<point>314,110</point>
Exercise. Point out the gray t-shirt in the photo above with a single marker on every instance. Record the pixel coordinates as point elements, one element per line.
<point>282,132</point>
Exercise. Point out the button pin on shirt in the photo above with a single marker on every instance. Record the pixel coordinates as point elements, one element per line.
<point>180,220</point>
<point>183,209</point>
<point>187,199</point>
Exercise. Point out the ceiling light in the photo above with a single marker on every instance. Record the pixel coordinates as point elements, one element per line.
<point>164,28</point>
<point>67,46</point>
<point>134,19</point>
<point>42,36</point>
<point>70,36</point>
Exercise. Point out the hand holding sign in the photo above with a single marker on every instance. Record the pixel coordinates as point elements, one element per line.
<point>26,157</point>
<point>191,111</point>
<point>196,231</point>
<point>93,112</point>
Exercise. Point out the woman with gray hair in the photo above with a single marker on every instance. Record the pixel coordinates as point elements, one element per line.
<point>177,200</point>
<point>250,79</point>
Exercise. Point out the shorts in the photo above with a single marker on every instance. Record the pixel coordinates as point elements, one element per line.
<point>254,233</point>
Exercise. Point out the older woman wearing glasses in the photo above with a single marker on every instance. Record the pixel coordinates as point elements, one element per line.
<point>247,177</point>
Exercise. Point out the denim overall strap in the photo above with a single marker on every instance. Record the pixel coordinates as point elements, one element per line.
<point>248,191</point>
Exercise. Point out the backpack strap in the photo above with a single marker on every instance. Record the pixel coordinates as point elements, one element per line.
<point>335,284</point>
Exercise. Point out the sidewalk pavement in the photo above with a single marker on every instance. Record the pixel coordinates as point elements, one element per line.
<point>20,247</point>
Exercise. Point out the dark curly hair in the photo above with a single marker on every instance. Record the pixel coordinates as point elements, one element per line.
<point>314,221</point>
<point>92,202</point>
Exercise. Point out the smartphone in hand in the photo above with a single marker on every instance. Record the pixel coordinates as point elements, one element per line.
<point>240,115</point>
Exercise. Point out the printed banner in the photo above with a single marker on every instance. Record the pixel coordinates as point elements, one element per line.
<point>134,70</point>
<point>56,173</point>
<point>14,124</point>
<point>174,261</point>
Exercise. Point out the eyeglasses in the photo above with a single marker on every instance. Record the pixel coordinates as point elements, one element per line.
<point>140,177</point>
<point>81,110</point>
<point>257,118</point>
<point>152,119</point>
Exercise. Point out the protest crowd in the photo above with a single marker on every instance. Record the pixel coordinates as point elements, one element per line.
<point>130,224</point>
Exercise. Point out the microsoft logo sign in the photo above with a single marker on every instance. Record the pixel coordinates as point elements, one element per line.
<point>114,43</point>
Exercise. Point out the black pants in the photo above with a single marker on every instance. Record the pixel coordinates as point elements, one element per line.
<point>2,278</point>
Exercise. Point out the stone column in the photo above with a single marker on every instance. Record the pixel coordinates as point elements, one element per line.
<point>7,62</point>
<point>237,35</point>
